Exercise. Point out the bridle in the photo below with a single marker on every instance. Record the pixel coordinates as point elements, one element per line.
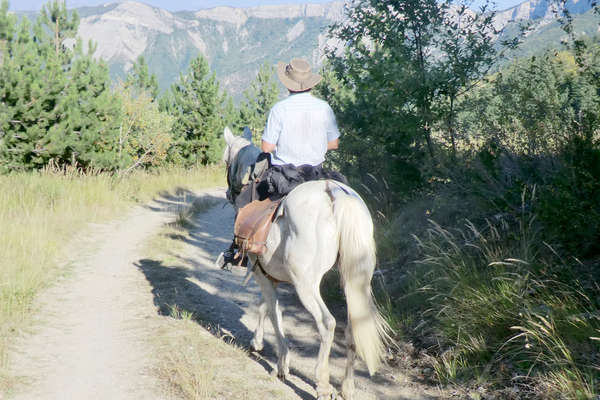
<point>230,196</point>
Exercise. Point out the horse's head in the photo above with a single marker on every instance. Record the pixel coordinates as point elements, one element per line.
<point>239,156</point>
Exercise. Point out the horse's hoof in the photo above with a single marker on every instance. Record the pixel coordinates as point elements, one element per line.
<point>347,389</point>
<point>283,376</point>
<point>330,396</point>
<point>328,393</point>
<point>346,396</point>
<point>283,373</point>
<point>256,345</point>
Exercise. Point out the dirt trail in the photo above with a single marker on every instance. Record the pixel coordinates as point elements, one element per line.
<point>91,337</point>
<point>219,298</point>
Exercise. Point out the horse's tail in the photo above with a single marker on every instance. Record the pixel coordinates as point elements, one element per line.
<point>356,264</point>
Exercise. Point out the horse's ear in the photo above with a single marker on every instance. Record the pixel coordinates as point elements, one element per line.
<point>227,135</point>
<point>247,133</point>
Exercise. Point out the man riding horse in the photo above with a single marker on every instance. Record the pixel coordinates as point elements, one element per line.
<point>319,224</point>
<point>300,130</point>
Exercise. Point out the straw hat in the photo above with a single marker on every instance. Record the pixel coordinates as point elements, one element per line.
<point>297,75</point>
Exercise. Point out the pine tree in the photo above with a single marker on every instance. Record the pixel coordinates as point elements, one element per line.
<point>85,120</point>
<point>7,26</point>
<point>55,18</point>
<point>58,103</point>
<point>197,104</point>
<point>90,114</point>
<point>141,79</point>
<point>259,98</point>
<point>29,95</point>
<point>231,115</point>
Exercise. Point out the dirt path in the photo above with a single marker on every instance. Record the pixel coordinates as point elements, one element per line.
<point>218,298</point>
<point>91,339</point>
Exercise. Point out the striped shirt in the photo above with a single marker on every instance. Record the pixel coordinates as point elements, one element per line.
<point>300,126</point>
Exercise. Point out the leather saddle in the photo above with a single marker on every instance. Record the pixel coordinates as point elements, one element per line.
<point>252,225</point>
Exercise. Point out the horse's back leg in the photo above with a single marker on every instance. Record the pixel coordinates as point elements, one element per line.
<point>274,311</point>
<point>312,301</point>
<point>257,339</point>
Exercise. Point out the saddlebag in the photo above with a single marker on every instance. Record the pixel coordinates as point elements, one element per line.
<point>252,225</point>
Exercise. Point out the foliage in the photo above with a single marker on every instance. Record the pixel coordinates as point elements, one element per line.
<point>507,300</point>
<point>570,202</point>
<point>541,128</point>
<point>57,103</point>
<point>258,100</point>
<point>141,79</point>
<point>534,106</point>
<point>197,104</point>
<point>405,74</point>
<point>145,131</point>
<point>498,304</point>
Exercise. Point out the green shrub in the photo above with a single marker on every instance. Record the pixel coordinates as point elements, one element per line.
<point>570,203</point>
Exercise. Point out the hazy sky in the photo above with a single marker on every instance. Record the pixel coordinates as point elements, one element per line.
<point>175,5</point>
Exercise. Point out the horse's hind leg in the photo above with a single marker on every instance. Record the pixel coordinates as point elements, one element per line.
<point>348,384</point>
<point>311,299</point>
<point>274,311</point>
<point>257,340</point>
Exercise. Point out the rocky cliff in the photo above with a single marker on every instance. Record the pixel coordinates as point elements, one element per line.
<point>236,41</point>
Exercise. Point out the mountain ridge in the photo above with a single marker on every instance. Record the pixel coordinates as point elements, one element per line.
<point>237,41</point>
<point>249,37</point>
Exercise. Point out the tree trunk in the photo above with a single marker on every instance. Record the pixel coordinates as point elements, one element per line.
<point>451,126</point>
<point>427,132</point>
<point>56,38</point>
<point>427,127</point>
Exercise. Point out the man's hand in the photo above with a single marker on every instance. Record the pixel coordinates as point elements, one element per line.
<point>267,147</point>
<point>332,145</point>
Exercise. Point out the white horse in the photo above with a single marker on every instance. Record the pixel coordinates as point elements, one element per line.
<point>319,224</point>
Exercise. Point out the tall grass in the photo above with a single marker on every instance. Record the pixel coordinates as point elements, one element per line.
<point>40,212</point>
<point>501,307</point>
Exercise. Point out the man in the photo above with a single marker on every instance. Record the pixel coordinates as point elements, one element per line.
<point>300,130</point>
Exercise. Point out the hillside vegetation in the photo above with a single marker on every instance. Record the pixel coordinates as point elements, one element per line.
<point>57,104</point>
<point>483,173</point>
<point>486,187</point>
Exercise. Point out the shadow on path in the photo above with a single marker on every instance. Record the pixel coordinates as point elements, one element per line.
<point>219,302</point>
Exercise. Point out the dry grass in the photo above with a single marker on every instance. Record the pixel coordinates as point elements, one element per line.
<point>41,212</point>
<point>198,365</point>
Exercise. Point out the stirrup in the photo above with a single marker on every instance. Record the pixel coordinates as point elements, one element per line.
<point>225,259</point>
<point>229,258</point>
